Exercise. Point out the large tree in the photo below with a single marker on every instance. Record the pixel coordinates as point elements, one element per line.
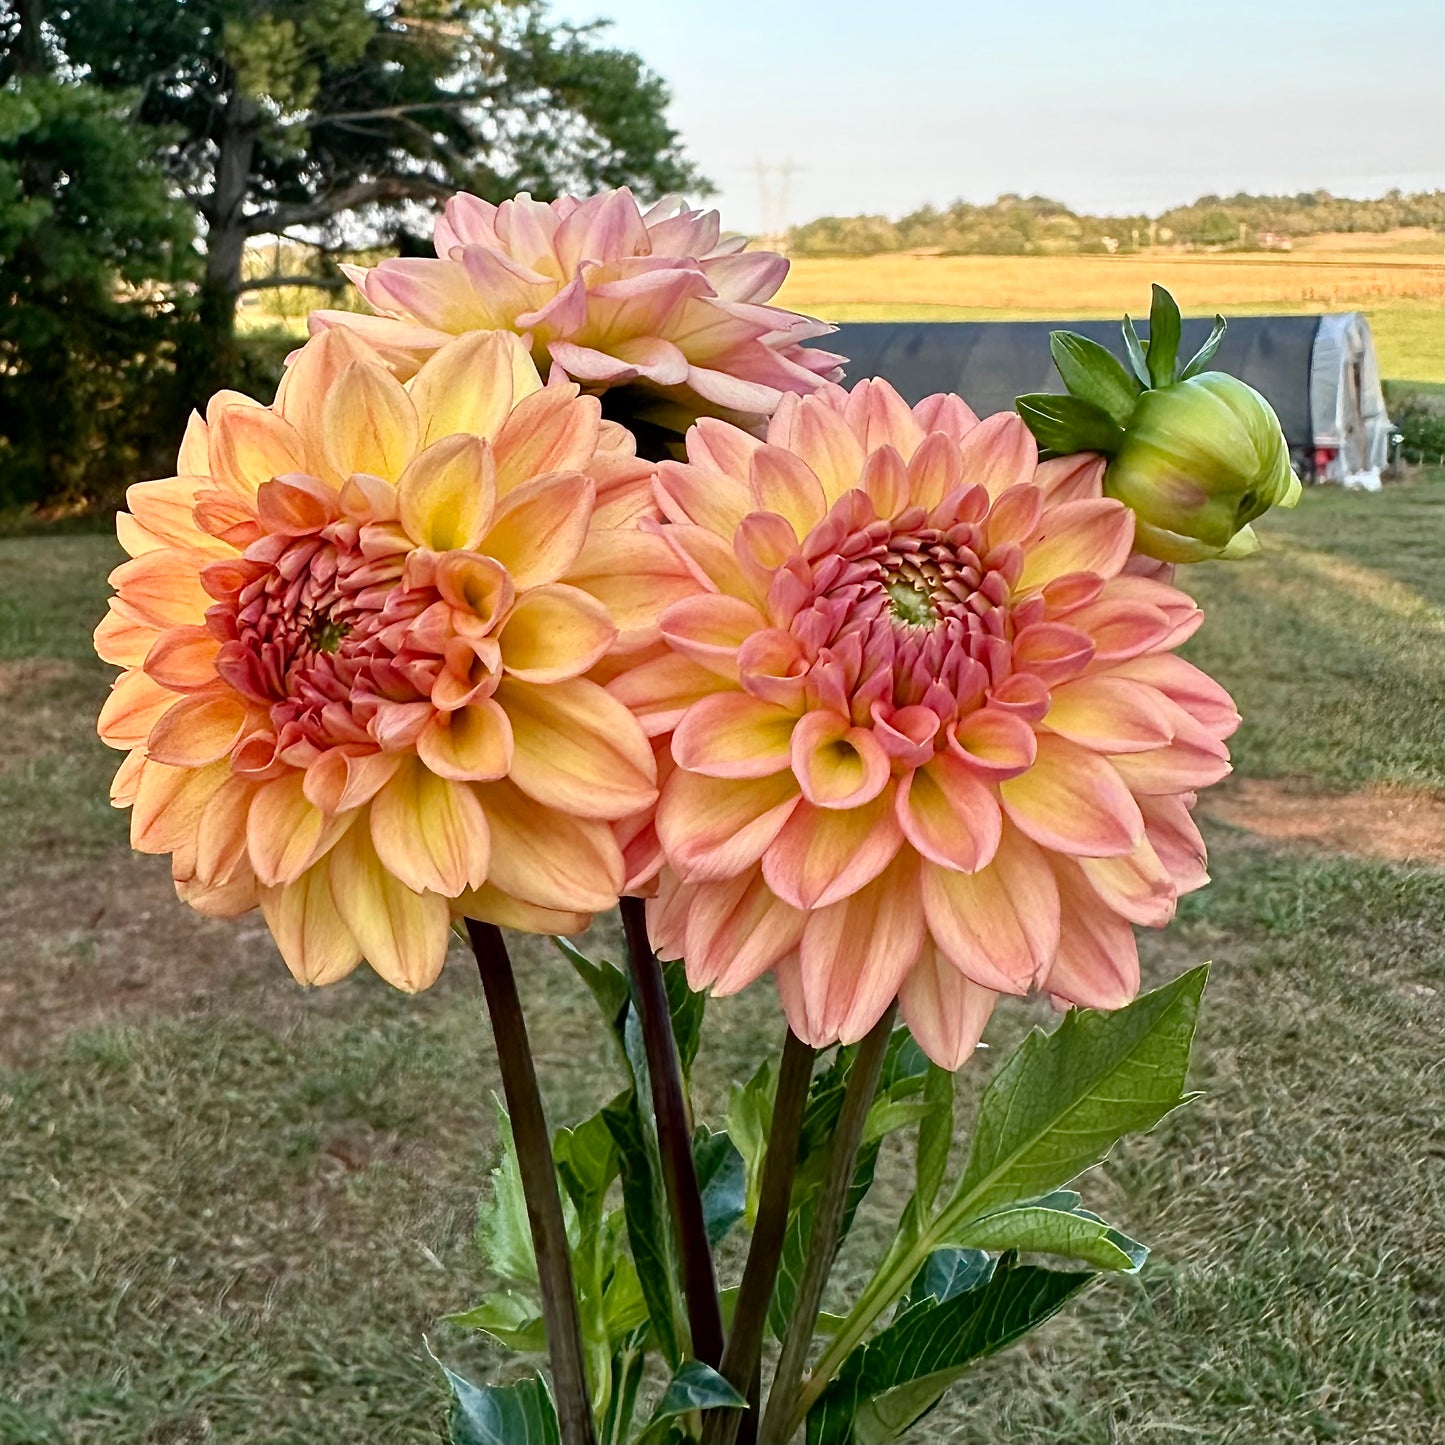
<point>327,119</point>
<point>94,245</point>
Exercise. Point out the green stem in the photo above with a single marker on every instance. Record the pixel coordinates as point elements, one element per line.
<point>784,1414</point>
<point>740,1360</point>
<point>674,1138</point>
<point>539,1182</point>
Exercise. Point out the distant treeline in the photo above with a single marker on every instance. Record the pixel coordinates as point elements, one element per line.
<point>1034,225</point>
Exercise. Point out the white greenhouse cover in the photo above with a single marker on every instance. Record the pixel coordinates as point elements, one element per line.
<point>1347,403</point>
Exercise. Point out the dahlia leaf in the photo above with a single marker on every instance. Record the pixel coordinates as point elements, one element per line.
<point>1135,348</point>
<point>605,982</point>
<point>935,1135</point>
<point>1066,424</point>
<point>1072,1234</point>
<point>647,1224</point>
<point>503,1235</point>
<point>1165,327</point>
<point>722,1178</point>
<point>1094,374</point>
<point>799,1237</point>
<point>587,1160</point>
<point>895,1379</point>
<point>750,1113</point>
<point>513,1320</point>
<point>687,1006</point>
<point>518,1414</point>
<point>1063,1099</point>
<point>1201,358</point>
<point>947,1272</point>
<point>694,1386</point>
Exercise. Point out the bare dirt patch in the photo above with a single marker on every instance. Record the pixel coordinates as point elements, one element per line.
<point>1391,823</point>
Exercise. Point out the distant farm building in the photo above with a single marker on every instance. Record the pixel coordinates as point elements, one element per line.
<point>1318,372</point>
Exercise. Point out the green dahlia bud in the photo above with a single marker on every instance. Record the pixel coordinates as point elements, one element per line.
<point>1196,455</point>
<point>1200,460</point>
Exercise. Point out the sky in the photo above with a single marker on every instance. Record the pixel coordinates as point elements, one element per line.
<point>1112,106</point>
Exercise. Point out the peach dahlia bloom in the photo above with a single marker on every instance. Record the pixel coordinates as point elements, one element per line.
<point>930,736</point>
<point>356,629</point>
<point>610,293</point>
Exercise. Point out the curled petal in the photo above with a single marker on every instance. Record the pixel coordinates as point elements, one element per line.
<point>472,743</point>
<point>554,633</point>
<point>446,494</point>
<point>837,765</point>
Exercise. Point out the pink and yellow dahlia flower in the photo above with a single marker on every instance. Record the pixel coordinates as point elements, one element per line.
<point>356,631</point>
<point>612,294</point>
<point>930,736</point>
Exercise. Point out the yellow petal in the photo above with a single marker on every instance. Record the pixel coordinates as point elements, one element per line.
<point>491,905</point>
<point>577,748</point>
<point>472,384</point>
<point>538,530</point>
<point>286,832</point>
<point>402,934</point>
<point>547,857</point>
<point>317,946</point>
<point>430,832</point>
<point>368,423</point>
<point>197,731</point>
<point>468,743</point>
<point>447,493</point>
<point>554,633</point>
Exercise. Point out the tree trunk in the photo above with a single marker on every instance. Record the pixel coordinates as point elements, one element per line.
<point>215,360</point>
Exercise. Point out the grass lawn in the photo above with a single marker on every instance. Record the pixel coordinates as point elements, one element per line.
<point>232,1208</point>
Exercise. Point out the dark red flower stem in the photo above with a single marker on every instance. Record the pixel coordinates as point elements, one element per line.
<point>674,1138</point>
<point>778,1420</point>
<point>539,1183</point>
<point>741,1359</point>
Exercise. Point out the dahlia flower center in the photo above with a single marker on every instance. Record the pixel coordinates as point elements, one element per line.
<point>320,630</point>
<point>903,610</point>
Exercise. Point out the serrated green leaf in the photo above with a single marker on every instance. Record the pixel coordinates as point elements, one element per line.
<point>1037,1230</point>
<point>694,1386</point>
<point>1062,1100</point>
<point>1201,358</point>
<point>935,1136</point>
<point>1065,424</point>
<point>647,1225</point>
<point>899,1375</point>
<point>1094,374</point>
<point>1165,326</point>
<point>521,1413</point>
<point>722,1179</point>
<point>513,1319</point>
<point>1134,348</point>
<point>504,1235</point>
<point>750,1115</point>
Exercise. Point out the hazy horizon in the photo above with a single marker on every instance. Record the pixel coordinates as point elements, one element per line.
<point>1128,109</point>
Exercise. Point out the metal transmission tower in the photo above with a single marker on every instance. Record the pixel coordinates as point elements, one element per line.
<point>775,181</point>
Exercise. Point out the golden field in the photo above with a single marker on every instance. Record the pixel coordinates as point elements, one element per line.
<point>1400,290</point>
